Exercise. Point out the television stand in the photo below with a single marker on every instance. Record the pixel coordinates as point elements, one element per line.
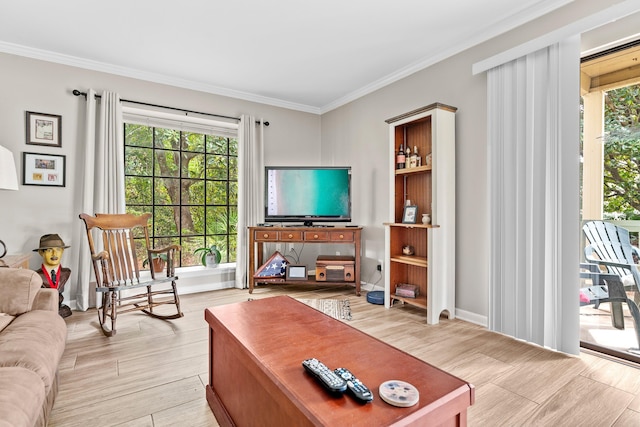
<point>259,235</point>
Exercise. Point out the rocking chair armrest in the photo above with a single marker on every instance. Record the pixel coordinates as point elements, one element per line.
<point>100,256</point>
<point>166,249</point>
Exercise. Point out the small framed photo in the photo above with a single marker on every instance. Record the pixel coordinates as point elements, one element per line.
<point>296,272</point>
<point>44,129</point>
<point>43,169</point>
<point>409,214</point>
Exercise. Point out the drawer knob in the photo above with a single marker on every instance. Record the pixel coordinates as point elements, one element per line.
<point>291,236</point>
<point>265,235</point>
<point>315,236</point>
<point>342,236</point>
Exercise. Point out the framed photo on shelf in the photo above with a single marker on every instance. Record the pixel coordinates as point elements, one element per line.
<point>296,272</point>
<point>43,169</point>
<point>44,129</point>
<point>409,214</point>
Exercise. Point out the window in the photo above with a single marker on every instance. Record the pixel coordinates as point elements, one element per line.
<point>188,181</point>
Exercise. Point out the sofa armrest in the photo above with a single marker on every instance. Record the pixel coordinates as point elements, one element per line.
<point>18,289</point>
<point>46,299</point>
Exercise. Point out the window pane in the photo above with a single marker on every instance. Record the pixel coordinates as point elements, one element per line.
<point>233,192</point>
<point>167,163</point>
<point>167,138</point>
<point>167,191</point>
<point>217,220</point>
<point>193,142</point>
<point>233,244</point>
<point>192,165</point>
<point>138,135</point>
<point>138,161</point>
<point>192,192</point>
<point>233,166</point>
<point>138,190</point>
<point>216,192</point>
<point>217,144</point>
<point>233,220</point>
<point>164,220</point>
<point>217,167</point>
<point>233,147</point>
<point>189,245</point>
<point>192,220</point>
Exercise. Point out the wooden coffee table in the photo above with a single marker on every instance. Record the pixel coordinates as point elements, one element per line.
<point>256,349</point>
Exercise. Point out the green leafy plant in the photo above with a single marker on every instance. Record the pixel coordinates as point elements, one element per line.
<point>211,252</point>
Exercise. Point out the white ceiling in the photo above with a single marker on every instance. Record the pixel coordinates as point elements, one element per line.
<point>308,55</point>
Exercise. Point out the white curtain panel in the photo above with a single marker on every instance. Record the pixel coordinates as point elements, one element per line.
<point>533,142</point>
<point>103,179</point>
<point>250,189</point>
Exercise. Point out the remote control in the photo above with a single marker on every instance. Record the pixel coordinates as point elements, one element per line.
<point>329,379</point>
<point>355,386</point>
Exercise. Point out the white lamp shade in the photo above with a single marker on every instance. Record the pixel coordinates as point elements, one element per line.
<point>8,175</point>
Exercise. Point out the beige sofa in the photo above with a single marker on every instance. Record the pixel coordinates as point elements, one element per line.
<point>32,340</point>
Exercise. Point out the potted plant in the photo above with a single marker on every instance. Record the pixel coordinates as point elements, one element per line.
<point>211,256</point>
<point>158,262</point>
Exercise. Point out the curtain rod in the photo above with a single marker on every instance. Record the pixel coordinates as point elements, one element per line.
<point>76,92</point>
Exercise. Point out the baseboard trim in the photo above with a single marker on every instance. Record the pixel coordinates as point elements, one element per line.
<point>470,317</point>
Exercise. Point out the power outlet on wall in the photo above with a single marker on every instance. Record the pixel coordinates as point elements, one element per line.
<point>380,264</point>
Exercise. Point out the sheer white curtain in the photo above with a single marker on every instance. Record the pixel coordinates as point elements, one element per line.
<point>250,189</point>
<point>103,178</point>
<point>533,139</point>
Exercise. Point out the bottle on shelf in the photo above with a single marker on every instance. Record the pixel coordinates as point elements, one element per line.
<point>400,158</point>
<point>407,153</point>
<point>413,158</point>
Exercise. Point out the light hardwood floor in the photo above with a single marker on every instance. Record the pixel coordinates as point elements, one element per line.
<point>153,372</point>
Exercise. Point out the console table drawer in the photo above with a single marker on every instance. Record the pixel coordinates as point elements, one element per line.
<point>318,236</point>
<point>260,235</point>
<point>342,236</point>
<point>291,235</point>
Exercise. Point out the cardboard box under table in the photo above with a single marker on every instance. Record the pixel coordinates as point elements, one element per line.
<point>331,268</point>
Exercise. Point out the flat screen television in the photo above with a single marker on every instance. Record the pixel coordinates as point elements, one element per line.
<point>307,194</point>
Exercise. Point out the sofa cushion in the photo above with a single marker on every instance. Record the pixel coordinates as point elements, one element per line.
<point>18,288</point>
<point>22,397</point>
<point>5,319</point>
<point>35,341</point>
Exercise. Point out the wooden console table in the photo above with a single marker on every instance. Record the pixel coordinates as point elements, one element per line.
<point>260,235</point>
<point>256,349</point>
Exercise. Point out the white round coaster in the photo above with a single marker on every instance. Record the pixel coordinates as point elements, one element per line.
<point>399,393</point>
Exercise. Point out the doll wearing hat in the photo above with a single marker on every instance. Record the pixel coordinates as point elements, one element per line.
<point>53,275</point>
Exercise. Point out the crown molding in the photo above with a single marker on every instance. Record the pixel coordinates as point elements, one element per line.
<point>585,24</point>
<point>74,61</point>
<point>490,32</point>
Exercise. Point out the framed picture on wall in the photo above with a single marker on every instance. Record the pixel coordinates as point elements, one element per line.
<point>43,169</point>
<point>44,129</point>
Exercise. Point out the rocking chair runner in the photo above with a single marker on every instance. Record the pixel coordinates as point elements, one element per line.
<point>117,269</point>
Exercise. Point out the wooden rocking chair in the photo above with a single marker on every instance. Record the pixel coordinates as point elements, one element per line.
<point>117,269</point>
